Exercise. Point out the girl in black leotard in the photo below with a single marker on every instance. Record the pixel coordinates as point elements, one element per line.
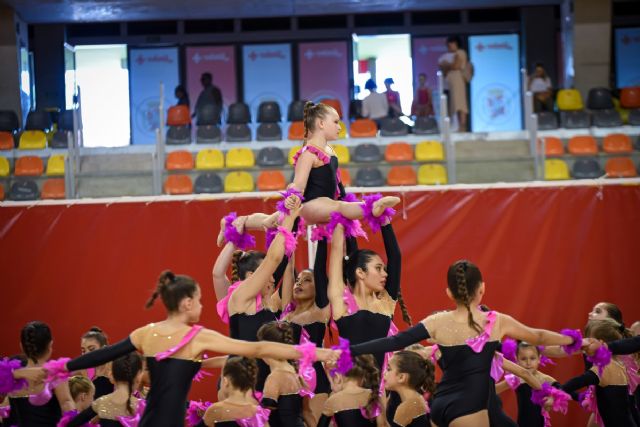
<point>112,408</point>
<point>284,390</point>
<point>609,387</point>
<point>356,401</point>
<point>411,376</point>
<point>39,405</point>
<point>90,341</point>
<point>467,340</point>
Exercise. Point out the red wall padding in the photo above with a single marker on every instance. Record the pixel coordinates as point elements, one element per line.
<point>547,255</point>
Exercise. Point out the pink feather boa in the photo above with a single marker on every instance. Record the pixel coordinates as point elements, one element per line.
<point>601,358</point>
<point>196,411</point>
<point>242,241</point>
<point>8,383</point>
<point>286,194</point>
<point>375,222</point>
<point>352,227</point>
<point>290,242</point>
<point>576,345</point>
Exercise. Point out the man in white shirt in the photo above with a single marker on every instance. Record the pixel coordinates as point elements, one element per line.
<point>375,106</point>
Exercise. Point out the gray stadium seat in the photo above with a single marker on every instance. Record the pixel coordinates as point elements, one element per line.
<point>636,145</point>
<point>634,117</point>
<point>270,156</point>
<point>296,111</point>
<point>208,115</point>
<point>24,190</point>
<point>599,98</point>
<point>9,121</point>
<point>208,183</point>
<point>269,132</point>
<point>65,126</point>
<point>177,135</point>
<point>607,118</point>
<point>588,168</point>
<point>208,134</point>
<point>59,139</point>
<point>425,126</point>
<point>369,177</point>
<point>238,113</point>
<point>65,121</point>
<point>38,120</point>
<point>393,126</point>
<point>269,112</point>
<point>575,119</point>
<point>238,133</point>
<point>367,153</point>
<point>547,120</point>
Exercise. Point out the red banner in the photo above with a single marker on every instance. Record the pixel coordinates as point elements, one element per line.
<point>547,256</point>
<point>220,61</point>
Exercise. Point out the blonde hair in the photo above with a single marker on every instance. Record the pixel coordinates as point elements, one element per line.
<point>311,113</point>
<point>79,384</point>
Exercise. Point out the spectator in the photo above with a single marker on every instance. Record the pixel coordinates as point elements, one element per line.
<point>540,86</point>
<point>181,95</point>
<point>210,94</point>
<point>422,102</point>
<point>393,99</point>
<point>375,105</point>
<point>453,71</point>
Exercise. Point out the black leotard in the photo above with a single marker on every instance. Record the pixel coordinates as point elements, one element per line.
<point>419,421</point>
<point>103,386</point>
<point>497,417</point>
<point>28,415</point>
<point>87,415</point>
<point>529,414</point>
<point>322,181</point>
<point>286,412</point>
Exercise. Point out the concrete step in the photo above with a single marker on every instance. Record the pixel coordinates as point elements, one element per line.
<point>482,149</point>
<point>115,186</point>
<point>490,171</point>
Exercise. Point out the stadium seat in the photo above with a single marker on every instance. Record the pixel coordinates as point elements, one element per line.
<point>208,134</point>
<point>179,161</point>
<point>5,169</point>
<point>393,126</point>
<point>343,130</point>
<point>569,99</point>
<point>588,168</point>
<point>270,156</point>
<point>342,152</point>
<point>402,175</point>
<point>65,127</point>
<point>1,192</point>
<point>425,126</point>
<point>363,128</point>
<point>237,182</point>
<point>630,97</point>
<point>209,159</point>
<point>269,112</point>
<point>178,115</point>
<point>582,145</point>
<point>269,132</point>
<point>296,131</point>
<point>178,135</point>
<point>617,143</point>
<point>6,141</point>
<point>55,165</point>
<point>33,140</point>
<point>38,120</point>
<point>335,103</point>
<point>355,109</point>
<point>555,169</point>
<point>208,115</point>
<point>398,152</point>
<point>238,113</point>
<point>579,119</point>
<point>620,167</point>
<point>432,174</point>
<point>607,118</point>
<point>429,151</point>
<point>369,177</point>
<point>553,146</point>
<point>345,177</point>
<point>9,121</point>
<point>634,117</point>
<point>547,120</point>
<point>24,190</point>
<point>296,111</point>
<point>178,184</point>
<point>292,153</point>
<point>238,158</point>
<point>238,132</point>
<point>599,98</point>
<point>271,181</point>
<point>367,153</point>
<point>53,189</point>
<point>208,183</point>
<point>28,166</point>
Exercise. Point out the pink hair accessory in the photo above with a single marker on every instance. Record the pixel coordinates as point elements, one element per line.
<point>196,411</point>
<point>242,241</point>
<point>375,222</point>
<point>8,383</point>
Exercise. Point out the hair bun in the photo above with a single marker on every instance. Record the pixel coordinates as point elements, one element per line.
<point>96,329</point>
<point>167,277</point>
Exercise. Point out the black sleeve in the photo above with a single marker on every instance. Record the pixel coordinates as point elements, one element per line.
<point>397,342</point>
<point>101,356</point>
<point>394,261</point>
<point>341,190</point>
<point>201,424</point>
<point>625,346</point>
<point>279,273</point>
<point>269,403</point>
<point>324,421</point>
<point>576,383</point>
<point>83,417</point>
<point>352,245</point>
<point>320,274</point>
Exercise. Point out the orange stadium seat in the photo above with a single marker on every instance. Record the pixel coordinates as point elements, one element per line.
<point>335,103</point>
<point>402,175</point>
<point>620,167</point>
<point>178,184</point>
<point>53,189</point>
<point>1,192</point>
<point>29,166</point>
<point>178,115</point>
<point>553,146</point>
<point>617,143</point>
<point>271,181</point>
<point>296,131</point>
<point>6,141</point>
<point>179,161</point>
<point>363,128</point>
<point>630,97</point>
<point>345,177</point>
<point>583,145</point>
<point>398,152</point>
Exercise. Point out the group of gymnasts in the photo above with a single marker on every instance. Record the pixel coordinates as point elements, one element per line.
<point>275,369</point>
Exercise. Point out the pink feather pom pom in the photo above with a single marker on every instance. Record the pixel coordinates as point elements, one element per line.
<point>195,412</point>
<point>375,222</point>
<point>290,242</point>
<point>242,241</point>
<point>544,360</point>
<point>352,227</point>
<point>319,232</point>
<point>350,197</point>
<point>576,345</point>
<point>512,381</point>
<point>510,349</point>
<point>57,370</point>
<point>308,353</point>
<point>302,225</point>
<point>269,236</point>
<point>601,358</point>
<point>9,384</point>
<point>560,398</point>
<point>286,194</point>
<point>344,363</point>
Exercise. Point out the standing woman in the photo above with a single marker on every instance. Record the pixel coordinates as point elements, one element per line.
<point>455,74</point>
<point>93,340</point>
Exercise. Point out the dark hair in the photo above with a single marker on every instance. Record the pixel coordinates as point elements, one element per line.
<point>206,75</point>
<point>522,345</point>
<point>277,331</point>
<point>180,88</point>
<point>95,333</point>
<point>35,338</point>
<point>389,80</point>
<point>463,279</point>
<point>421,371</point>
<point>124,369</point>
<point>366,371</point>
<point>242,372</point>
<point>312,112</point>
<point>79,384</point>
<point>370,84</point>
<point>172,289</point>
<point>243,263</point>
<point>614,313</point>
<point>606,330</point>
<point>454,39</point>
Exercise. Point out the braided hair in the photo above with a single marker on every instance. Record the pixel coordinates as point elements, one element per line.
<point>366,372</point>
<point>35,338</point>
<point>172,289</point>
<point>277,331</point>
<point>242,372</point>
<point>421,371</point>
<point>125,369</point>
<point>311,113</point>
<point>463,279</point>
<point>243,263</point>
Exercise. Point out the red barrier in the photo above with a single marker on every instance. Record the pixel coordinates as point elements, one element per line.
<point>547,255</point>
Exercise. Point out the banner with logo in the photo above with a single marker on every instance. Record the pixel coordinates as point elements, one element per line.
<point>324,72</point>
<point>220,61</point>
<point>628,57</point>
<point>147,69</point>
<point>267,75</point>
<point>496,100</point>
<point>426,53</point>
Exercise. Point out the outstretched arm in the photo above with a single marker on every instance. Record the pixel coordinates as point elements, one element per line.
<point>396,342</point>
<point>102,355</point>
<point>576,383</point>
<point>394,261</point>
<point>514,329</point>
<point>336,281</point>
<point>625,346</point>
